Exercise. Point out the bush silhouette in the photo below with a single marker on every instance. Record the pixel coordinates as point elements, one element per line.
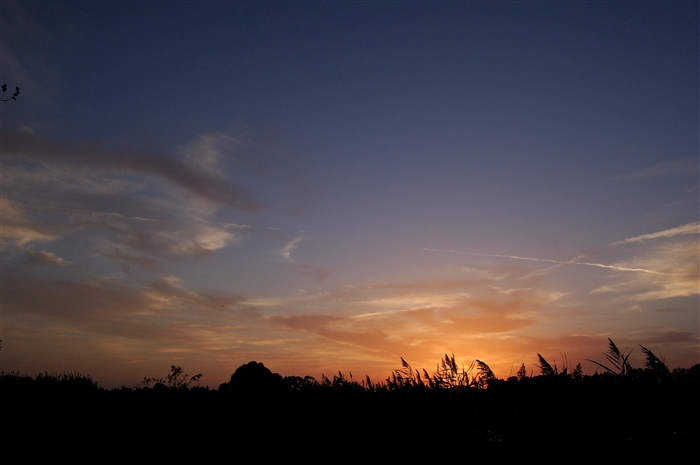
<point>253,377</point>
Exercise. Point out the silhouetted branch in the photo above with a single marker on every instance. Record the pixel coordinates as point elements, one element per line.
<point>4,90</point>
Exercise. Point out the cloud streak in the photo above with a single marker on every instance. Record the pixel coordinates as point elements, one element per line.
<point>317,272</point>
<point>111,308</point>
<point>197,176</point>
<point>290,246</point>
<point>664,169</point>
<point>43,258</point>
<point>687,229</point>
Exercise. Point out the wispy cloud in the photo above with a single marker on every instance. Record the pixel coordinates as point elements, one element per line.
<point>202,179</point>
<point>368,325</point>
<point>235,226</point>
<point>319,273</point>
<point>109,199</point>
<point>113,308</point>
<point>670,336</point>
<point>664,265</point>
<point>687,167</point>
<point>681,280</point>
<point>43,258</point>
<point>391,321</point>
<point>668,310</point>
<point>18,230</point>
<point>179,231</point>
<point>690,228</point>
<point>290,246</point>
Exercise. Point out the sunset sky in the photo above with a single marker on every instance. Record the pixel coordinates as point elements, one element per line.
<point>324,186</point>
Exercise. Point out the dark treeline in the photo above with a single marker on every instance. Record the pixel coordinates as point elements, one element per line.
<point>620,411</point>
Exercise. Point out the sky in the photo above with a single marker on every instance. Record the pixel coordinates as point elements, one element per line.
<point>330,186</point>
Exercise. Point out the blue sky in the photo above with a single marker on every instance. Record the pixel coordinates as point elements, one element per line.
<point>330,186</point>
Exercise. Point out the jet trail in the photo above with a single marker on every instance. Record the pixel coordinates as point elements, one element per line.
<point>515,257</point>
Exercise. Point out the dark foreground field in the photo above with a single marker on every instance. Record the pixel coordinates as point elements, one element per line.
<point>448,416</point>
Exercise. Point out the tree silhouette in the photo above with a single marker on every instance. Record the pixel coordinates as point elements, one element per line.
<point>253,377</point>
<point>4,90</point>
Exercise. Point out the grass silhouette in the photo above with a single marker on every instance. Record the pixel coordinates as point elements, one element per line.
<point>457,406</point>
<point>617,359</point>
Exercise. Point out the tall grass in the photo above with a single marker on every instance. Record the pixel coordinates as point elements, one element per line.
<point>618,360</point>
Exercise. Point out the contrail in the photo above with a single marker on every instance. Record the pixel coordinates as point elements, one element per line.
<point>515,257</point>
<point>690,228</point>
